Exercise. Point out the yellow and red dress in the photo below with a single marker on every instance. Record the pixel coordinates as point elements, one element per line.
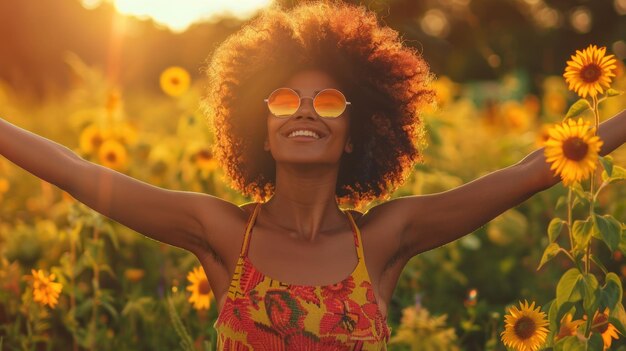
<point>262,313</point>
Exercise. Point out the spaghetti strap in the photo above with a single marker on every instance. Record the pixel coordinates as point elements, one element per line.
<point>357,236</point>
<point>246,237</point>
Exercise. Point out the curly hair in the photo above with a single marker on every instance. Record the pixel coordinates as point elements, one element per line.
<point>387,82</point>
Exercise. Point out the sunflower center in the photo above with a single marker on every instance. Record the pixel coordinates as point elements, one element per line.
<point>590,73</point>
<point>524,328</point>
<point>203,287</point>
<point>601,323</point>
<point>111,157</point>
<point>204,154</point>
<point>96,141</point>
<point>575,148</point>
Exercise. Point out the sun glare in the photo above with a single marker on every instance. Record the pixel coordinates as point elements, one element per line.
<point>178,15</point>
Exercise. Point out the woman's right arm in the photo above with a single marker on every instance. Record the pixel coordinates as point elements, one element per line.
<point>172,217</point>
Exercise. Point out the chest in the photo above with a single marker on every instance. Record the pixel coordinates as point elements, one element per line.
<point>326,260</point>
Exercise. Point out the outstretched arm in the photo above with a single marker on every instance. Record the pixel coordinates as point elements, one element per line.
<point>165,215</point>
<point>430,221</point>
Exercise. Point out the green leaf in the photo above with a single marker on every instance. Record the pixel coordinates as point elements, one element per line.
<point>618,173</point>
<point>595,342</point>
<point>554,228</point>
<point>562,200</point>
<point>617,317</point>
<point>580,192</point>
<point>549,253</point>
<point>552,311</point>
<point>612,290</point>
<point>567,287</point>
<point>567,307</point>
<point>607,164</point>
<point>577,108</point>
<point>570,343</point>
<point>612,92</point>
<point>599,263</point>
<point>610,230</point>
<point>591,293</point>
<point>582,231</point>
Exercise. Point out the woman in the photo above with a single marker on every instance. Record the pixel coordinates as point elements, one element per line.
<point>313,108</point>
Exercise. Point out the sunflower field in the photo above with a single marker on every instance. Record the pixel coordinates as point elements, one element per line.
<point>545,275</point>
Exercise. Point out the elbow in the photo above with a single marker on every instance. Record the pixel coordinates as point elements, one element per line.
<point>539,175</point>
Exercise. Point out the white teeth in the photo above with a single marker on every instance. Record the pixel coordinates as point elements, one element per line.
<point>303,133</point>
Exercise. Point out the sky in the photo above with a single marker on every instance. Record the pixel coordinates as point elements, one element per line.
<point>180,14</point>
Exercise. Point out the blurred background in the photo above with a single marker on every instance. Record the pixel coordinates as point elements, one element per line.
<point>90,75</point>
<point>463,39</point>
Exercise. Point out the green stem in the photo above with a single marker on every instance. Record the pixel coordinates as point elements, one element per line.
<point>72,289</point>
<point>567,254</point>
<point>569,218</point>
<point>96,289</point>
<point>592,181</point>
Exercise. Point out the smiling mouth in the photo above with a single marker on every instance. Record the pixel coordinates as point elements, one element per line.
<point>303,133</point>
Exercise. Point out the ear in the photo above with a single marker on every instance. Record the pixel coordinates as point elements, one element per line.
<point>266,144</point>
<point>348,147</point>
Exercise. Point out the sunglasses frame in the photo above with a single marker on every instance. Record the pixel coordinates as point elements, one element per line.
<point>308,97</point>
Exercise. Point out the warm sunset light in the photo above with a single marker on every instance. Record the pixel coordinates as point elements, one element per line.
<point>178,15</point>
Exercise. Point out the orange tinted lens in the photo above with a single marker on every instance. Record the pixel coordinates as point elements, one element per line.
<point>329,103</point>
<point>283,102</point>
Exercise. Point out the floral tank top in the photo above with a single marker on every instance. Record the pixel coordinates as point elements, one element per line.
<point>261,313</point>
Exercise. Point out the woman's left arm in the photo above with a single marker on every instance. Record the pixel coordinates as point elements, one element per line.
<point>430,221</point>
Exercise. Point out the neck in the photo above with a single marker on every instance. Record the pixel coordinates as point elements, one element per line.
<point>304,201</point>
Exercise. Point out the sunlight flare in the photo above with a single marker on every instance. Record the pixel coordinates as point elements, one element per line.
<point>179,15</point>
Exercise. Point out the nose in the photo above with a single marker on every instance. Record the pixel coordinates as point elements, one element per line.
<point>306,109</point>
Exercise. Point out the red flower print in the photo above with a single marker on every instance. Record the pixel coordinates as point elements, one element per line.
<point>340,290</point>
<point>372,310</point>
<point>369,292</point>
<point>236,315</point>
<point>264,338</point>
<point>254,298</point>
<point>306,293</point>
<point>250,277</point>
<point>284,311</point>
<point>308,341</point>
<point>343,316</point>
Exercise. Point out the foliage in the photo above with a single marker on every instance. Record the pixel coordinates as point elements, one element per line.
<point>116,283</point>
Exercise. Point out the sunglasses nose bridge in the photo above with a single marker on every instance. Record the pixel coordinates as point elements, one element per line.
<point>306,108</point>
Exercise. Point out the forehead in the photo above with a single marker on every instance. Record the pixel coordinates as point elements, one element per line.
<point>311,80</point>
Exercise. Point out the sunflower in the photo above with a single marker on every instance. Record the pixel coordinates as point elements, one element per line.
<point>573,150</point>
<point>175,81</point>
<point>200,289</point>
<point>204,159</point>
<point>4,185</point>
<point>607,330</point>
<point>524,328</point>
<point>589,71</point>
<point>516,116</point>
<point>91,138</point>
<point>126,133</point>
<point>568,327</point>
<point>113,154</point>
<point>45,290</point>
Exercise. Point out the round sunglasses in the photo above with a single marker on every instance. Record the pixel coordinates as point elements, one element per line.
<point>328,103</point>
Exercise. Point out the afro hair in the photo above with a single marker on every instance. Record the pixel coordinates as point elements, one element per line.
<point>388,83</point>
